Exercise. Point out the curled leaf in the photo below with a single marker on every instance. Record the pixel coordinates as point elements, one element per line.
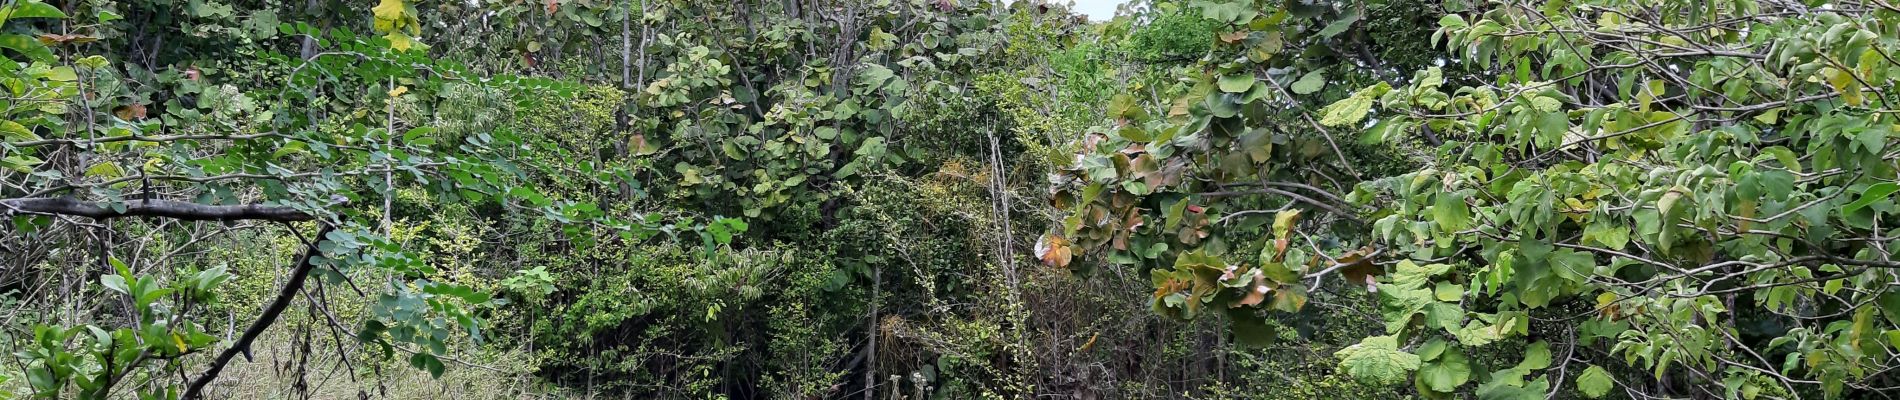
<point>1054,251</point>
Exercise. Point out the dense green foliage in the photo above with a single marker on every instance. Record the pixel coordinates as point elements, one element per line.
<point>948,199</point>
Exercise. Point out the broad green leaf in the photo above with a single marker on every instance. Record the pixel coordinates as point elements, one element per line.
<point>1545,103</point>
<point>1536,356</point>
<point>1445,373</point>
<point>1236,83</point>
<point>1310,83</point>
<point>1447,291</point>
<point>28,46</point>
<point>1451,212</point>
<point>428,362</point>
<point>1877,192</point>
<point>1607,234</point>
<point>1432,77</point>
<point>1250,329</point>
<point>1594,382</point>
<point>30,9</point>
<point>13,132</point>
<point>1667,203</point>
<point>1346,112</point>
<point>1227,12</point>
<point>1339,26</point>
<point>22,164</point>
<point>1222,105</point>
<point>1573,265</point>
<point>62,74</point>
<point>1377,361</point>
<point>115,282</point>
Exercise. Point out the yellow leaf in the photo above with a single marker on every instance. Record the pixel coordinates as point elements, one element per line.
<point>1770,117</point>
<point>1845,83</point>
<point>107,170</point>
<point>1283,222</point>
<point>63,74</point>
<point>390,14</point>
<point>1606,305</point>
<point>399,41</point>
<point>396,19</point>
<point>398,91</point>
<point>180,342</point>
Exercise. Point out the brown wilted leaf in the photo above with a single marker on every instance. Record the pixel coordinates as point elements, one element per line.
<point>1091,140</point>
<point>1290,299</point>
<point>53,39</point>
<point>1181,108</point>
<point>130,112</point>
<point>1359,267</point>
<point>641,146</point>
<point>1127,229</point>
<point>1171,286</point>
<point>1233,37</point>
<point>1257,293</point>
<point>1054,251</point>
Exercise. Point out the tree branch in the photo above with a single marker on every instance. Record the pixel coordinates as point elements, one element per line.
<point>152,208</point>
<point>285,296</point>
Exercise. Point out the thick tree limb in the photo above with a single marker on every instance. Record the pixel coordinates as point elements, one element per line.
<point>152,208</point>
<point>285,296</point>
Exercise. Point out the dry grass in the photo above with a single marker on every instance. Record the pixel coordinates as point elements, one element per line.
<point>276,374</point>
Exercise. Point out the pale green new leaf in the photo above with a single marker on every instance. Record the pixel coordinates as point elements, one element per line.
<point>1346,112</point>
<point>1377,361</point>
<point>1536,356</point>
<point>1545,103</point>
<point>14,132</point>
<point>1594,382</point>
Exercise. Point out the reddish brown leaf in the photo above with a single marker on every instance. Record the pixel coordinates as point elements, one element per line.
<point>1091,140</point>
<point>53,39</point>
<point>1054,251</point>
<point>641,146</point>
<point>130,112</point>
<point>1232,37</point>
<point>1171,286</point>
<point>1257,293</point>
<point>1359,267</point>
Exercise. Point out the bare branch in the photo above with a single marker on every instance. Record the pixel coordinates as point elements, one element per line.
<point>152,208</point>
<point>264,320</point>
